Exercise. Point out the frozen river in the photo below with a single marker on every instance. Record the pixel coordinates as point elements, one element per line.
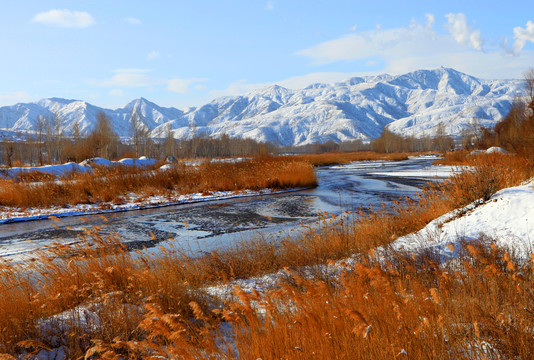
<point>208,225</point>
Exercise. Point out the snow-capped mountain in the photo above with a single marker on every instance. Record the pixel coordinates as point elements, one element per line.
<point>359,108</point>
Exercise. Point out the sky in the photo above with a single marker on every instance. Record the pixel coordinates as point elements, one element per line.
<point>186,53</point>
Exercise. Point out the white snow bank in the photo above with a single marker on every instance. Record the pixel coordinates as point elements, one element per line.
<point>491,150</point>
<point>435,171</point>
<point>96,161</point>
<point>143,161</point>
<point>56,170</point>
<point>85,166</point>
<point>508,218</point>
<point>496,149</point>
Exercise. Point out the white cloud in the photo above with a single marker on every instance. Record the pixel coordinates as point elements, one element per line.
<point>521,36</point>
<point>116,92</point>
<point>132,21</point>
<point>463,33</point>
<point>129,78</point>
<point>64,18</point>
<point>269,6</point>
<point>182,86</point>
<point>430,20</point>
<point>153,55</point>
<point>354,27</point>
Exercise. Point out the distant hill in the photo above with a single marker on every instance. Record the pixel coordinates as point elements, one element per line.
<point>358,108</point>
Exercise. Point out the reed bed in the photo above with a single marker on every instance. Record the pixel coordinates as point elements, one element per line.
<point>118,304</point>
<point>118,183</point>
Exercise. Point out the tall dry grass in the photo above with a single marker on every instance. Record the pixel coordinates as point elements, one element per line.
<point>128,305</point>
<point>478,307</point>
<point>116,184</point>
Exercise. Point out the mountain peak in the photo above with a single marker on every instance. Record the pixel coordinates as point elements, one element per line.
<point>140,103</point>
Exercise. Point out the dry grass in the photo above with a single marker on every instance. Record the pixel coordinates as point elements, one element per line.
<point>334,158</point>
<point>478,307</point>
<point>157,306</point>
<point>488,174</point>
<point>115,184</point>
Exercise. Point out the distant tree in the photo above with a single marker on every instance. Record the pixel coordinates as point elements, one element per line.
<point>139,133</point>
<point>103,138</point>
<point>169,143</point>
<point>442,142</point>
<point>40,127</point>
<point>515,132</point>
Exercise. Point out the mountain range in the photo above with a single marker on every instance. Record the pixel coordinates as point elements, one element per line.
<point>415,103</point>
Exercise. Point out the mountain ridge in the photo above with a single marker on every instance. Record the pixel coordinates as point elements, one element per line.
<point>414,103</point>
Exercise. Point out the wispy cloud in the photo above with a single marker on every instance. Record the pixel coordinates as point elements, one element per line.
<point>183,86</point>
<point>116,92</point>
<point>129,78</point>
<point>132,21</point>
<point>138,78</point>
<point>64,18</point>
<point>269,6</point>
<point>153,55</point>
<point>463,33</point>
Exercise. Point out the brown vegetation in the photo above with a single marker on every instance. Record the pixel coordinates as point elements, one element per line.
<point>116,183</point>
<point>159,305</point>
<point>515,132</point>
<point>337,157</point>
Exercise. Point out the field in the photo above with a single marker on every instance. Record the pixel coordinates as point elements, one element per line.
<point>337,296</point>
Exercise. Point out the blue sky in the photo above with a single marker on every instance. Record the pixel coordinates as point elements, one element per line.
<point>186,53</point>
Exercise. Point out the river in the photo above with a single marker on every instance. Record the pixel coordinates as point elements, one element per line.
<point>210,225</point>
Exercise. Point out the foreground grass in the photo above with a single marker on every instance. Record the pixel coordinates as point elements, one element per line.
<point>159,306</point>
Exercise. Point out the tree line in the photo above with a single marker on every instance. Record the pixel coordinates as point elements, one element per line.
<point>515,132</point>
<point>49,145</point>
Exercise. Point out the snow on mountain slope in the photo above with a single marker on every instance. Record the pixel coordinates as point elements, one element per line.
<point>358,108</point>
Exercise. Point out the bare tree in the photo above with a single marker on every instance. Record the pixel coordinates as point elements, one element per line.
<point>169,142</point>
<point>40,127</point>
<point>103,139</point>
<point>139,133</point>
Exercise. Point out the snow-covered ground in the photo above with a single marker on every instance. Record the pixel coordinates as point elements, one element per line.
<point>65,169</point>
<point>507,218</point>
<point>437,171</point>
